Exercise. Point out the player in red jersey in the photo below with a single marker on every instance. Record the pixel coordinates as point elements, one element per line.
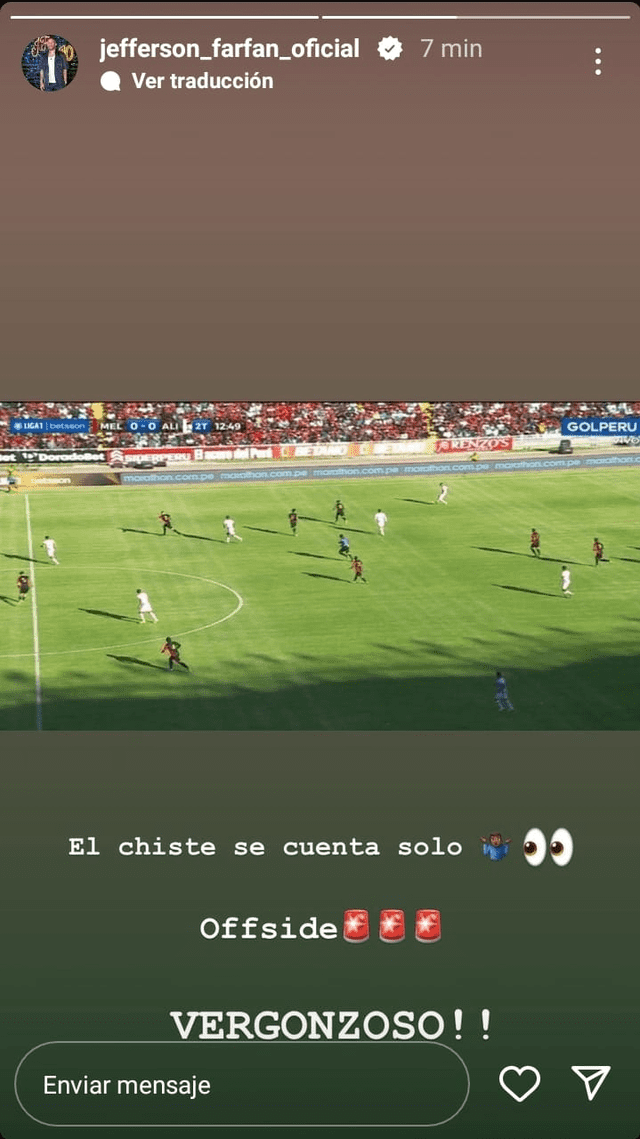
<point>293,520</point>
<point>535,543</point>
<point>598,550</point>
<point>171,648</point>
<point>357,567</point>
<point>166,522</point>
<point>23,584</point>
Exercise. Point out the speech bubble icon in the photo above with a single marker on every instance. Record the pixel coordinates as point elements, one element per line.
<point>110,81</point>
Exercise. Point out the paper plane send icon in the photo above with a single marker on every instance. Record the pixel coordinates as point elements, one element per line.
<point>593,1076</point>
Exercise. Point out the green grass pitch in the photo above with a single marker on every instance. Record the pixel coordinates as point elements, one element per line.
<point>278,637</point>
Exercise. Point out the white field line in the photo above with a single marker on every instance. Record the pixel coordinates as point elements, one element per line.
<point>34,612</point>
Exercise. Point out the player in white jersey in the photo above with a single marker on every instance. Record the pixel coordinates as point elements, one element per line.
<point>50,547</point>
<point>565,578</point>
<point>502,696</point>
<point>444,490</point>
<point>230,528</point>
<point>145,606</point>
<point>381,520</point>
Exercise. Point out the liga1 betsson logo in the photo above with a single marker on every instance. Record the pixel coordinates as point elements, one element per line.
<point>601,427</point>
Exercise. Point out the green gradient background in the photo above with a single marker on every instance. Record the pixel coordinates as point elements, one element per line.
<point>103,948</point>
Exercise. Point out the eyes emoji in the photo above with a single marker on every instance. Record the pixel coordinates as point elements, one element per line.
<point>560,847</point>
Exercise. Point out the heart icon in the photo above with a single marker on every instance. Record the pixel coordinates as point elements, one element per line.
<point>518,1072</point>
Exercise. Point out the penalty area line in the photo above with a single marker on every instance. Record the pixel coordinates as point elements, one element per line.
<point>34,615</point>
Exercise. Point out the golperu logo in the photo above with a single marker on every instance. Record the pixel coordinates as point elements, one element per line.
<point>602,427</point>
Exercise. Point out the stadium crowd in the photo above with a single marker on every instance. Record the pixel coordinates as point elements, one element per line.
<point>256,423</point>
<point>450,420</point>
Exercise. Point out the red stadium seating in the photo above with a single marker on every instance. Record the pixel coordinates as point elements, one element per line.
<point>316,422</point>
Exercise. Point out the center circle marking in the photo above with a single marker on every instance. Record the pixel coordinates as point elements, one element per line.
<point>148,641</point>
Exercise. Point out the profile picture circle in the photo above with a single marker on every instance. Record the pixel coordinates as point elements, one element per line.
<point>49,63</point>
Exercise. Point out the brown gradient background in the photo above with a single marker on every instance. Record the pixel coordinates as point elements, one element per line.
<point>412,225</point>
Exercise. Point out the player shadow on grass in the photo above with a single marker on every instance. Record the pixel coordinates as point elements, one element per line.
<point>114,616</point>
<point>438,650</point>
<point>9,600</point>
<point>520,554</point>
<point>522,589</point>
<point>151,533</point>
<point>326,576</point>
<point>263,530</point>
<point>24,558</point>
<point>394,649</point>
<point>202,537</point>
<point>304,554</point>
<point>330,522</point>
<point>636,561</point>
<point>135,660</point>
<point>519,636</point>
<point>565,632</point>
<point>420,501</point>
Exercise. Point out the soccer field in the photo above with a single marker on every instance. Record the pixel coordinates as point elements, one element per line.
<point>278,637</point>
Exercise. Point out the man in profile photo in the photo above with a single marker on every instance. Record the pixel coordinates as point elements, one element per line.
<point>54,68</point>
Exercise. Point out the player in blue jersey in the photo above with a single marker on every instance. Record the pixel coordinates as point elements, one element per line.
<point>502,696</point>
